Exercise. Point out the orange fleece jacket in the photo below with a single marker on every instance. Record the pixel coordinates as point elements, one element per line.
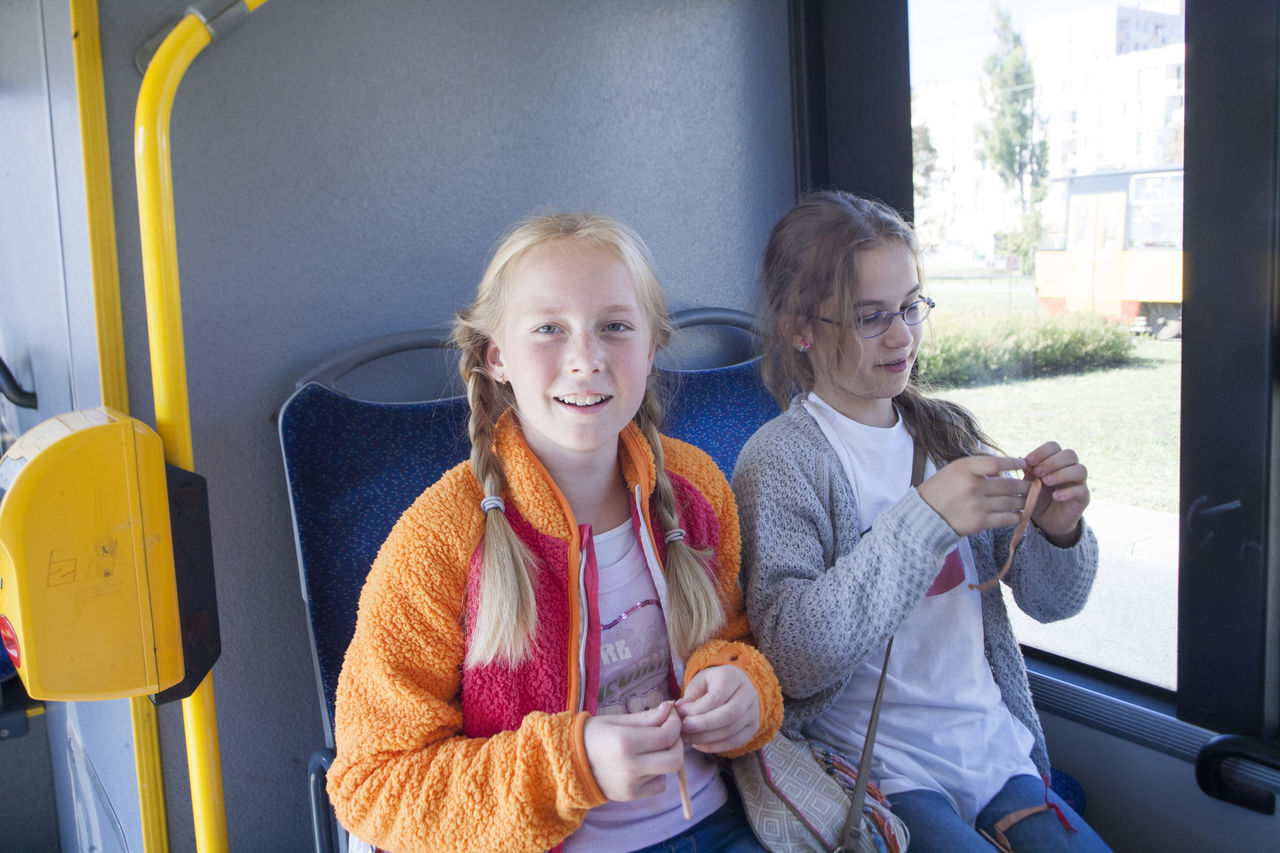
<point>405,777</point>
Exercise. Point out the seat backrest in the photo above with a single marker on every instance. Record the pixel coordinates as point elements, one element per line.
<point>718,405</point>
<point>353,467</point>
<point>718,408</point>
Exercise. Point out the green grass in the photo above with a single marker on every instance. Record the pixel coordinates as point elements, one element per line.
<point>1122,421</point>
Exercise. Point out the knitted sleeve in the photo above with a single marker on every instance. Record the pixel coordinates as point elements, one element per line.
<point>405,778</point>
<point>734,645</point>
<point>1048,583</point>
<point>821,597</point>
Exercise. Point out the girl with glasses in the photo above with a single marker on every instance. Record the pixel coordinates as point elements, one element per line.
<point>841,553</point>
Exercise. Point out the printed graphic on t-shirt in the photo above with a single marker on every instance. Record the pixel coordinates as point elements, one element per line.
<point>634,660</point>
<point>951,576</point>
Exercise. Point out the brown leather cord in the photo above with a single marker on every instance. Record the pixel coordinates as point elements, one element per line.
<point>1033,494</point>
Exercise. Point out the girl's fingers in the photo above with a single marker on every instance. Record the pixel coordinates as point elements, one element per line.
<point>651,718</point>
<point>1075,498</point>
<point>1053,464</point>
<point>720,710</point>
<point>631,754</point>
<point>711,688</point>
<point>999,519</point>
<point>721,717</point>
<point>1041,453</point>
<point>725,741</point>
<point>1066,476</point>
<point>1013,504</point>
<point>992,466</point>
<point>1002,487</point>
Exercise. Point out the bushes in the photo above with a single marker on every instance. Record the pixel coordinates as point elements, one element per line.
<point>979,347</point>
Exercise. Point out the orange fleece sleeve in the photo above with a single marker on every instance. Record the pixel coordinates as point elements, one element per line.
<point>405,778</point>
<point>733,645</point>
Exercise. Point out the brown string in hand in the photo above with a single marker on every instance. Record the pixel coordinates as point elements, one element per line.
<point>686,804</point>
<point>1033,494</point>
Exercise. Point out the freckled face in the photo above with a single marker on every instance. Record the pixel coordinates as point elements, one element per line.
<point>874,370</point>
<point>576,346</point>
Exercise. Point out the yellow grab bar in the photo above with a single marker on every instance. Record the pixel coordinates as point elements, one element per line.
<point>168,359</point>
<point>159,242</point>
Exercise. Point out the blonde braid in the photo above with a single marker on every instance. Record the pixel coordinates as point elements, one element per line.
<point>507,616</point>
<point>695,609</point>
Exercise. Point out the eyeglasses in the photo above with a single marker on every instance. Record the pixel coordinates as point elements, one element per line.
<point>875,325</point>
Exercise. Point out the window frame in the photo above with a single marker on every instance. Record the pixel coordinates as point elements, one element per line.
<point>852,130</point>
<point>1229,573</point>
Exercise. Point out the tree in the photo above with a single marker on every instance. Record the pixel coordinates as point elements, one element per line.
<point>1010,143</point>
<point>924,158</point>
<point>930,230</point>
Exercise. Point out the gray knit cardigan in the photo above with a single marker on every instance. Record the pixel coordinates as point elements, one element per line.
<point>821,598</point>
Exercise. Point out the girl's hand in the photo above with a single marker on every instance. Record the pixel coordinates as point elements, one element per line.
<point>971,495</point>
<point>631,754</point>
<point>1065,493</point>
<point>720,709</point>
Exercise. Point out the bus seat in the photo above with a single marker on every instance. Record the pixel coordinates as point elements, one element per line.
<point>716,397</point>
<point>354,465</point>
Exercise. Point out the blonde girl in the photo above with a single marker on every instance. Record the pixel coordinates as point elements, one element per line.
<point>552,634</point>
<point>841,553</point>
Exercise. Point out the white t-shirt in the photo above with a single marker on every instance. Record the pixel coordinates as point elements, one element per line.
<point>635,661</point>
<point>943,725</point>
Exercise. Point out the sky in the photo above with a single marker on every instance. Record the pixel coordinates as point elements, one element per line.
<point>950,38</point>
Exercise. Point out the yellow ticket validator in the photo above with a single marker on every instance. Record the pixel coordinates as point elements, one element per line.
<point>88,594</point>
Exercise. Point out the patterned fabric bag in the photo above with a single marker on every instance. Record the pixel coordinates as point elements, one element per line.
<point>798,795</point>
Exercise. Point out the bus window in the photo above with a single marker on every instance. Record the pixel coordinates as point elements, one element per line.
<point>1066,233</point>
<point>1155,211</point>
<point>1053,218</point>
<point>1081,235</point>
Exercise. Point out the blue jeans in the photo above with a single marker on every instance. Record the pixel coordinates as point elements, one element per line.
<point>935,826</point>
<point>725,831</point>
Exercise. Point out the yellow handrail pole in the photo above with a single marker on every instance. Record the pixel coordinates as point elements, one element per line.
<point>169,374</point>
<point>91,99</point>
<point>113,380</point>
<point>169,365</point>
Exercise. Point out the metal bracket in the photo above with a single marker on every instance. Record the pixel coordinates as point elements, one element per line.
<point>1200,520</point>
<point>219,17</point>
<point>14,392</point>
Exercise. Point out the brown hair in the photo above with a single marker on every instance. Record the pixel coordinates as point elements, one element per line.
<point>812,255</point>
<point>507,616</point>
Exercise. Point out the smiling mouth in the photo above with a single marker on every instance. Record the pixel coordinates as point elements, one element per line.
<point>897,365</point>
<point>582,401</point>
